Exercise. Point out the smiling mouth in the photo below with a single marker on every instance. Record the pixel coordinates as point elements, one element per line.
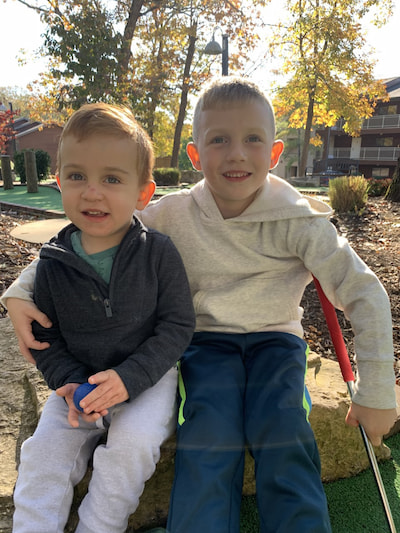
<point>236,176</point>
<point>94,213</point>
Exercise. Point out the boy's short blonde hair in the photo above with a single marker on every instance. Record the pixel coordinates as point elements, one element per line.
<point>223,92</point>
<point>116,121</point>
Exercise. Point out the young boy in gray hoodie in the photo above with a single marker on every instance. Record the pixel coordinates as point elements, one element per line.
<point>250,243</point>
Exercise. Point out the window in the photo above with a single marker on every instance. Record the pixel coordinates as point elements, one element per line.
<point>384,141</point>
<point>390,109</point>
<point>380,172</point>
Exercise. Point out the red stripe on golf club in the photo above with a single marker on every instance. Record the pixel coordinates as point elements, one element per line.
<point>336,334</point>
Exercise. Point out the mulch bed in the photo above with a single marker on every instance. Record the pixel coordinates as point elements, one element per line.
<point>14,254</point>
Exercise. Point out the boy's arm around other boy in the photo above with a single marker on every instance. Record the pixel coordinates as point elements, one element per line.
<point>22,322</point>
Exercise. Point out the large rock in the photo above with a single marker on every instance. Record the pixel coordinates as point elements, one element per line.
<point>341,447</point>
<point>23,394</point>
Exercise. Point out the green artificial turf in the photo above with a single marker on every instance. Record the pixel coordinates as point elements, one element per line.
<point>46,198</point>
<point>49,198</point>
<point>354,504</point>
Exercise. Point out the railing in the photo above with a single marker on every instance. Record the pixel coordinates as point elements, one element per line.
<point>381,153</point>
<point>378,122</point>
<point>337,165</point>
<point>341,153</point>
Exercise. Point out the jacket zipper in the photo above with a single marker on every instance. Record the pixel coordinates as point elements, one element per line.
<point>107,306</point>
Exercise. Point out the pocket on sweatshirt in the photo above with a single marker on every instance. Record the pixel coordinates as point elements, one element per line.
<point>246,305</point>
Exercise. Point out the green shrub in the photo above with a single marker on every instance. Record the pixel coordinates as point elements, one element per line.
<point>19,166</point>
<point>42,164</point>
<point>184,162</point>
<point>166,176</point>
<point>348,194</point>
<point>378,187</point>
<point>43,161</point>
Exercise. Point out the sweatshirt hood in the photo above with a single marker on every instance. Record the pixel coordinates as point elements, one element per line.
<point>276,200</point>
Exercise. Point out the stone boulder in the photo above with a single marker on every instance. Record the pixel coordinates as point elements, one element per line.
<point>341,447</point>
<point>23,394</point>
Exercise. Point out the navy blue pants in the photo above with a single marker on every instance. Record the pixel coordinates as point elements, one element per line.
<point>238,391</point>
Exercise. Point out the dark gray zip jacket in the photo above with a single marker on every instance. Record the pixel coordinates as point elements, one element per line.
<point>139,325</point>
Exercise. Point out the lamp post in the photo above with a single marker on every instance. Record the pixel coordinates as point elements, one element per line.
<point>214,48</point>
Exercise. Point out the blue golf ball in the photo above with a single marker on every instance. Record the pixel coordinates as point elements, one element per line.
<point>82,391</point>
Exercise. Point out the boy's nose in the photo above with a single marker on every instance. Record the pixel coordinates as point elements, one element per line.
<point>91,192</point>
<point>237,151</point>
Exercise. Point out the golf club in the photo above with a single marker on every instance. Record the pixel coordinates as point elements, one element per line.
<point>348,376</point>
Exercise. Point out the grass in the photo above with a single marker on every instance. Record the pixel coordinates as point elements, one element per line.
<point>47,198</point>
<point>354,504</point>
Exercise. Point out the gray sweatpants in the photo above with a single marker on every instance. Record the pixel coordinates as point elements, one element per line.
<point>55,459</point>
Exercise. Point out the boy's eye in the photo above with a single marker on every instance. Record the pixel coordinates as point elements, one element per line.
<point>112,179</point>
<point>253,138</point>
<point>75,176</point>
<point>218,140</point>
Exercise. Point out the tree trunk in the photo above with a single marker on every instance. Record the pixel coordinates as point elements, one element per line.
<point>129,30</point>
<point>31,171</point>
<point>307,136</point>
<point>6,172</point>
<point>393,192</point>
<point>184,98</point>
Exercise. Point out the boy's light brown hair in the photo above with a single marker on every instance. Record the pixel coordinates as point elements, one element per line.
<point>222,92</point>
<point>116,121</point>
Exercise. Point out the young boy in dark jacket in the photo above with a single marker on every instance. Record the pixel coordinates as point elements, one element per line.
<point>121,312</point>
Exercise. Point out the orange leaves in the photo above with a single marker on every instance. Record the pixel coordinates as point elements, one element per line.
<point>6,128</point>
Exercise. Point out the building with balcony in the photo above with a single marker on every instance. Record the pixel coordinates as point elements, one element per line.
<point>375,152</point>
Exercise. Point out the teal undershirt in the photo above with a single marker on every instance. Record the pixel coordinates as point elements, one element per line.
<point>101,262</point>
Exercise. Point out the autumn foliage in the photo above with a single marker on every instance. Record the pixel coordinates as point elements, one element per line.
<point>6,128</point>
<point>328,70</point>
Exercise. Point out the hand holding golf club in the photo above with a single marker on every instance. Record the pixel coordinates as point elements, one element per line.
<point>357,415</point>
<point>376,422</point>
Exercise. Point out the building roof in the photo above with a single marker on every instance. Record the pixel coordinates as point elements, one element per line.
<point>23,126</point>
<point>393,87</point>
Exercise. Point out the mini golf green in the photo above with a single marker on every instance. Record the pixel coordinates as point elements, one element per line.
<point>47,198</point>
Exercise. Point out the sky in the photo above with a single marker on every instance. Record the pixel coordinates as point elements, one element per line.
<point>21,29</point>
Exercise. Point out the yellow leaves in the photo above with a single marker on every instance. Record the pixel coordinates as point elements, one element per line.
<point>324,115</point>
<point>330,77</point>
<point>316,140</point>
<point>44,102</point>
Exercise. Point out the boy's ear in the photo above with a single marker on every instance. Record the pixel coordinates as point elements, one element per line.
<point>193,154</point>
<point>146,193</point>
<point>277,149</point>
<point>58,181</point>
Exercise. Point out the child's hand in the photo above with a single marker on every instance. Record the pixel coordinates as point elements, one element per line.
<point>110,390</point>
<point>22,314</point>
<point>376,422</point>
<point>67,391</point>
